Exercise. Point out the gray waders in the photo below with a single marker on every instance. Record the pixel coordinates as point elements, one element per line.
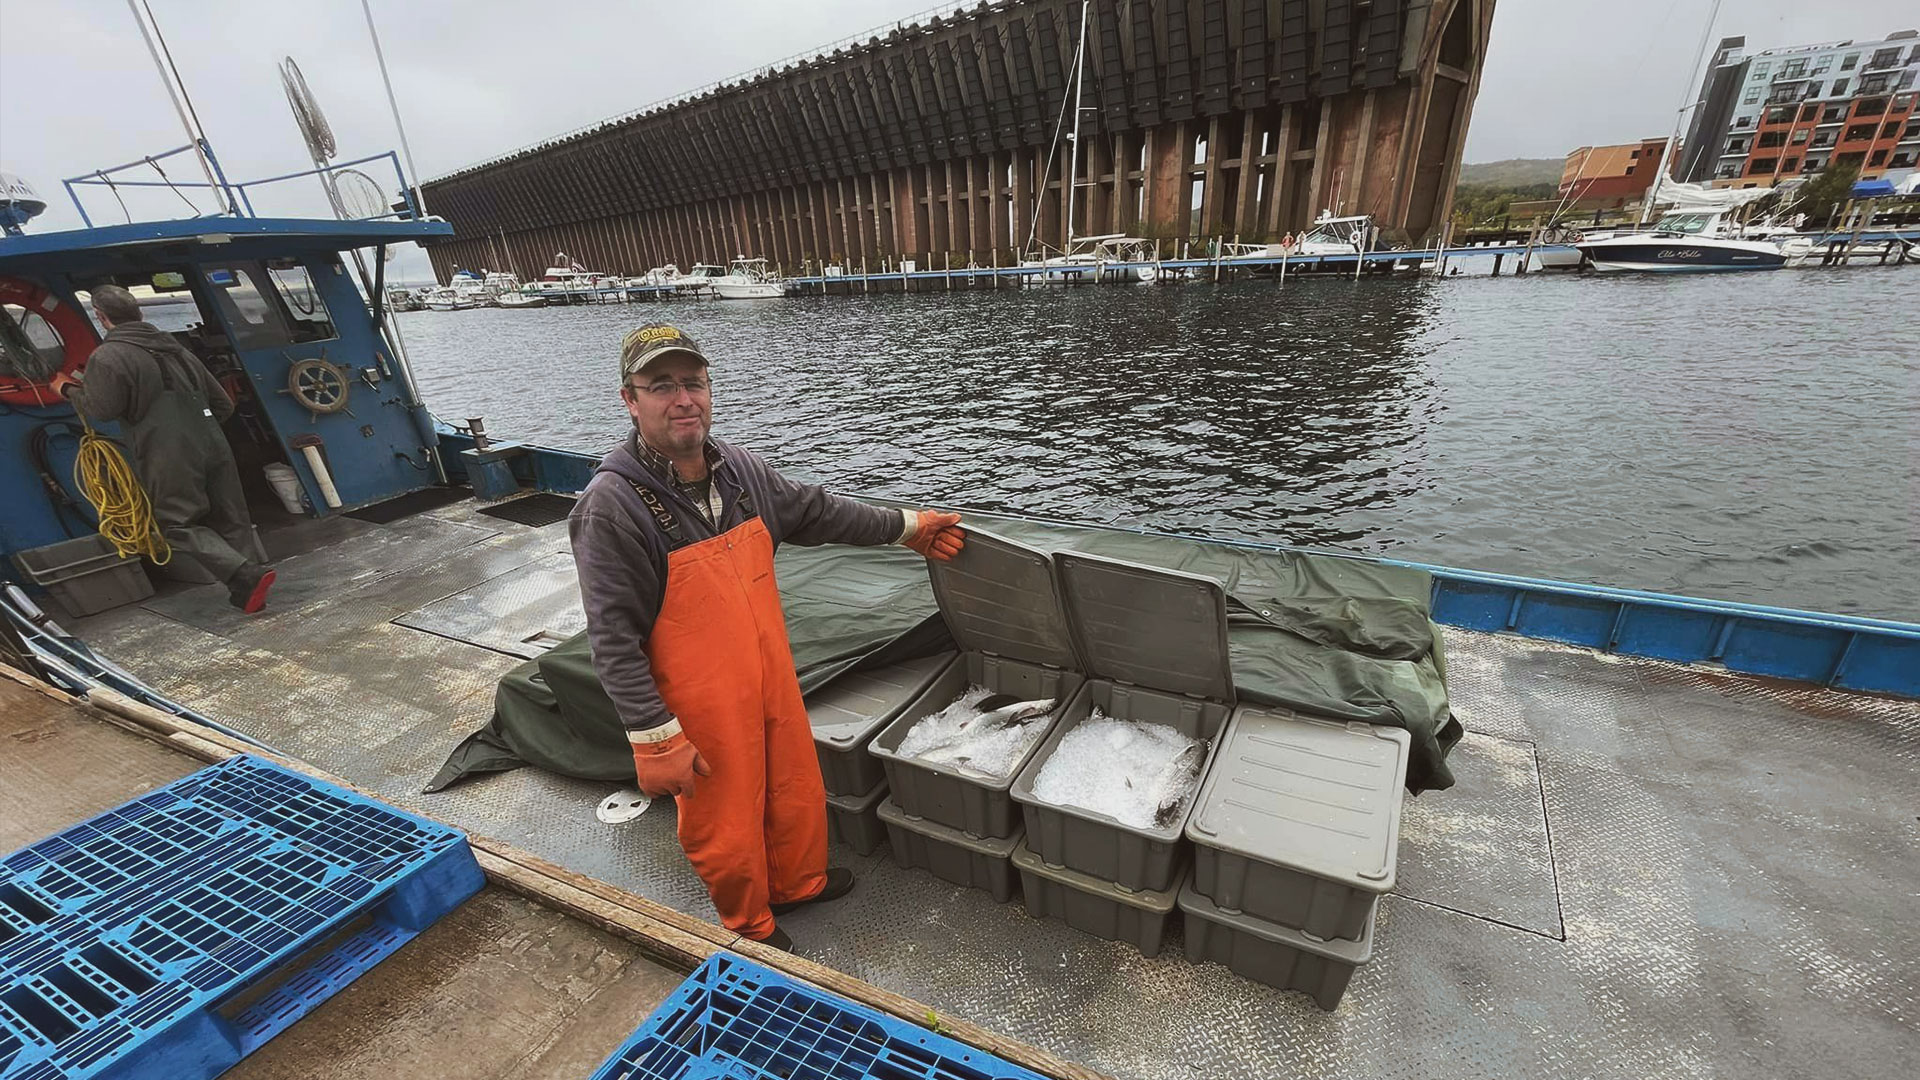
<point>182,459</point>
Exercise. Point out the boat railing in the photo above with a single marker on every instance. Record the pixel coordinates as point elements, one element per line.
<point>234,195</point>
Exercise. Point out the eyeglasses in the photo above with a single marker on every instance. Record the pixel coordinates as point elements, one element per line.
<point>667,388</point>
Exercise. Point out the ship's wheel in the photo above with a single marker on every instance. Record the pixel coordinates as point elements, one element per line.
<point>318,386</point>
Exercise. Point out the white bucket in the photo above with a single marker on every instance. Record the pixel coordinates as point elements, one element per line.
<point>286,484</point>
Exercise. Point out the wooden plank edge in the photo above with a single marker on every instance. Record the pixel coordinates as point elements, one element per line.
<point>672,936</point>
<point>676,947</point>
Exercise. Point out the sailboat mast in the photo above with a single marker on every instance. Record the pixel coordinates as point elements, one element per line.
<point>1687,102</point>
<point>1073,161</point>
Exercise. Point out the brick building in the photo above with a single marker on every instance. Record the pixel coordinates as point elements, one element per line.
<point>1610,175</point>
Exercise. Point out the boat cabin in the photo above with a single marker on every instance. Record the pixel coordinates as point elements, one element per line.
<point>1335,235</point>
<point>274,308</point>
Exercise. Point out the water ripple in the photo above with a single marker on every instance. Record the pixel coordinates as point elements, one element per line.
<point>1746,437</point>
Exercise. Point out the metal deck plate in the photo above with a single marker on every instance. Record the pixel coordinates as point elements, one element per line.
<point>1481,848</point>
<point>1733,858</point>
<point>523,612</point>
<point>314,577</point>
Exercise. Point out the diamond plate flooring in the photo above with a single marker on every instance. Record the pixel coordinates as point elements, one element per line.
<point>523,612</point>
<point>1645,870</point>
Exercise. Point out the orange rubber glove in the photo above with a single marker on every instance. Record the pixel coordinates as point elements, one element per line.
<point>668,767</point>
<point>937,535</point>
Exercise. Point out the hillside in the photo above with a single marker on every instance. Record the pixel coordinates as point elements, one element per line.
<point>1513,172</point>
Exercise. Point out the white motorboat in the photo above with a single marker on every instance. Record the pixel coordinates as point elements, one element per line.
<point>1807,251</point>
<point>470,290</point>
<point>497,283</point>
<point>749,279</point>
<point>1698,234</point>
<point>700,279</point>
<point>520,299</point>
<point>1095,259</point>
<point>1332,235</point>
<point>449,298</point>
<point>1684,241</point>
<point>659,275</point>
<point>566,275</point>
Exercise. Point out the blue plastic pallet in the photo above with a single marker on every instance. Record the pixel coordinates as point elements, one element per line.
<point>122,937</point>
<point>735,1020</point>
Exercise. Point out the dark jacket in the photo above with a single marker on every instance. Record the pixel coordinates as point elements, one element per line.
<point>621,553</point>
<point>123,378</point>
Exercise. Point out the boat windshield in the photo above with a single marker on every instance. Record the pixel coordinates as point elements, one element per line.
<point>1333,232</point>
<point>1683,223</point>
<point>1126,250</point>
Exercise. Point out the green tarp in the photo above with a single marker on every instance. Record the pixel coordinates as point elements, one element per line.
<point>1342,638</point>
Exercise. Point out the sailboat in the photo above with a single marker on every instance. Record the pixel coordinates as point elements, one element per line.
<point>1088,259</point>
<point>1698,234</point>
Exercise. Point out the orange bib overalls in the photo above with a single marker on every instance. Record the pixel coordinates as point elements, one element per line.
<point>756,830</point>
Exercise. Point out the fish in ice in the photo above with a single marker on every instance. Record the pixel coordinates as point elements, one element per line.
<point>1176,782</point>
<point>977,725</point>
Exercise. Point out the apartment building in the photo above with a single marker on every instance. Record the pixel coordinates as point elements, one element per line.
<point>1784,113</point>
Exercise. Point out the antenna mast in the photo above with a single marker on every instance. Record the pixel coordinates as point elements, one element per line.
<point>413,174</point>
<point>177,92</point>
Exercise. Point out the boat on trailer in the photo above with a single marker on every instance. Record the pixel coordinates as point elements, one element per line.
<point>1677,822</point>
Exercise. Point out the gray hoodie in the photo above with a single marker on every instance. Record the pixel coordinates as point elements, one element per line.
<point>621,552</point>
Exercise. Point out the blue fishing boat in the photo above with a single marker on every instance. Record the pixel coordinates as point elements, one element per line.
<point>1659,834</point>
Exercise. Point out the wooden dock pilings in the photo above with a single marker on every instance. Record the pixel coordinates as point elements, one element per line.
<point>1219,117</point>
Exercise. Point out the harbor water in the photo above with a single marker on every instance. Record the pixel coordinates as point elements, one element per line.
<point>1752,437</point>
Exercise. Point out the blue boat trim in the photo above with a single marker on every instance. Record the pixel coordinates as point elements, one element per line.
<point>338,235</point>
<point>1842,651</point>
<point>734,1018</point>
<point>121,937</point>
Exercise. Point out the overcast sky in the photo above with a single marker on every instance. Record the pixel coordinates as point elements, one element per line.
<point>481,77</point>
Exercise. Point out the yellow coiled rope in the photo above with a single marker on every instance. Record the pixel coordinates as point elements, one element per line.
<point>126,514</point>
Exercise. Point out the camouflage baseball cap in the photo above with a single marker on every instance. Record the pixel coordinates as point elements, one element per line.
<point>643,345</point>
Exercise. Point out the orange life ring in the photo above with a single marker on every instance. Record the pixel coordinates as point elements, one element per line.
<point>76,337</point>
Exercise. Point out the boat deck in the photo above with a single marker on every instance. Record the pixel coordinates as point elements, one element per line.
<point>1644,870</point>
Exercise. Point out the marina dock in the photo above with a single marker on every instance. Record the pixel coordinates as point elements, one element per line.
<point>1495,260</point>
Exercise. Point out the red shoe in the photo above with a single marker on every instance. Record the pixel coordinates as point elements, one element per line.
<point>252,599</point>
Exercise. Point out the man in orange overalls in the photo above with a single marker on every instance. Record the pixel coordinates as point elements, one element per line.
<point>674,540</point>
